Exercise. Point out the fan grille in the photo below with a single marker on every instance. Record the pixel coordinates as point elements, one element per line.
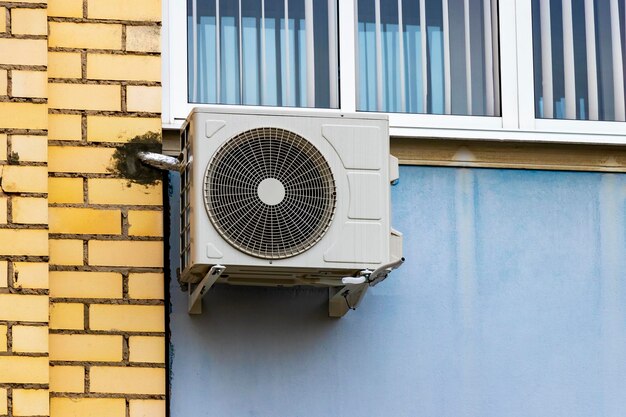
<point>270,193</point>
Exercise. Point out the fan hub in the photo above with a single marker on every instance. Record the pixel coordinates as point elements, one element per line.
<point>271,191</point>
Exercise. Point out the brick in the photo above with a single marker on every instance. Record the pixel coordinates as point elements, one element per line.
<point>65,190</point>
<point>79,159</point>
<point>67,379</point>
<point>31,84</point>
<point>65,8</point>
<point>30,275</point>
<point>84,96</point>
<point>31,402</point>
<point>3,402</point>
<point>30,210</point>
<point>66,252</point>
<point>23,242</point>
<point>3,209</point>
<point>145,223</point>
<point>30,148</point>
<point>29,22</point>
<point>119,129</point>
<point>143,99</point>
<point>125,253</point>
<point>3,339</point>
<point>18,307</point>
<point>3,19</point>
<point>143,38</point>
<point>24,179</point>
<point>23,51</point>
<point>64,65</point>
<point>68,316</point>
<point>123,67</point>
<point>127,380</point>
<point>137,318</point>
<point>31,339</point>
<point>85,347</point>
<point>23,115</point>
<point>77,284</point>
<point>85,35</point>
<point>147,408</point>
<point>118,191</point>
<point>3,82</point>
<point>85,221</point>
<point>23,370</point>
<point>141,10</point>
<point>147,349</point>
<point>65,127</point>
<point>4,274</point>
<point>88,407</point>
<point>146,286</point>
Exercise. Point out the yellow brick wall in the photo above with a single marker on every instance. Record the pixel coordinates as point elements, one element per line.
<point>24,303</point>
<point>107,332</point>
<point>82,315</point>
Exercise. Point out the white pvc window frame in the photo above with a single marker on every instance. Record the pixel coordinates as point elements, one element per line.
<point>516,123</point>
<point>578,131</point>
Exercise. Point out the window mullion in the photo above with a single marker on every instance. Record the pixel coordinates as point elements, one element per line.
<point>508,64</point>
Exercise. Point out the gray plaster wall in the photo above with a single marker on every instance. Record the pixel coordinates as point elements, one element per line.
<point>512,302</point>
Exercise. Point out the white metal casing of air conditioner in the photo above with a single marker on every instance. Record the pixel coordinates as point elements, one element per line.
<point>356,148</point>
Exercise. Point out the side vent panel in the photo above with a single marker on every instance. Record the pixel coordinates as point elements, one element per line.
<point>185,200</point>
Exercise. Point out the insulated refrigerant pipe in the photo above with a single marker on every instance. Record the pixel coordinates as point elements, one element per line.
<point>160,161</point>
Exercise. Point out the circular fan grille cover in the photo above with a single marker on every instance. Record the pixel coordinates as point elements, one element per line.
<point>270,193</point>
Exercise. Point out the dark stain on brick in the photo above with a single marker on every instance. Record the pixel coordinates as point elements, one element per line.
<point>14,158</point>
<point>127,165</point>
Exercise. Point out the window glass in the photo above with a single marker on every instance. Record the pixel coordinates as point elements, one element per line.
<point>428,56</point>
<point>263,52</point>
<point>579,59</point>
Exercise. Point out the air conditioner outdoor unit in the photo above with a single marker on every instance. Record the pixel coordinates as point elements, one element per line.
<point>284,198</point>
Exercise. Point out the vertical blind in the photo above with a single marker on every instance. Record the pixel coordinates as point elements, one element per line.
<point>263,52</point>
<point>579,58</point>
<point>428,56</point>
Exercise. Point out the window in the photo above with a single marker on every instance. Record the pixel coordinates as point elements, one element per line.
<point>263,52</point>
<point>428,56</point>
<point>506,70</point>
<point>579,59</point>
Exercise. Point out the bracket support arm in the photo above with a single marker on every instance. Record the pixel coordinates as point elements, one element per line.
<point>195,295</point>
<point>343,299</point>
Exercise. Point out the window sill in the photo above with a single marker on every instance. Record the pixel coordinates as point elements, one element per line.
<point>465,127</point>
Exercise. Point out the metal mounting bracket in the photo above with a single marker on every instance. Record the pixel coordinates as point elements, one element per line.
<point>195,294</point>
<point>348,297</point>
<point>382,272</point>
<point>343,299</point>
